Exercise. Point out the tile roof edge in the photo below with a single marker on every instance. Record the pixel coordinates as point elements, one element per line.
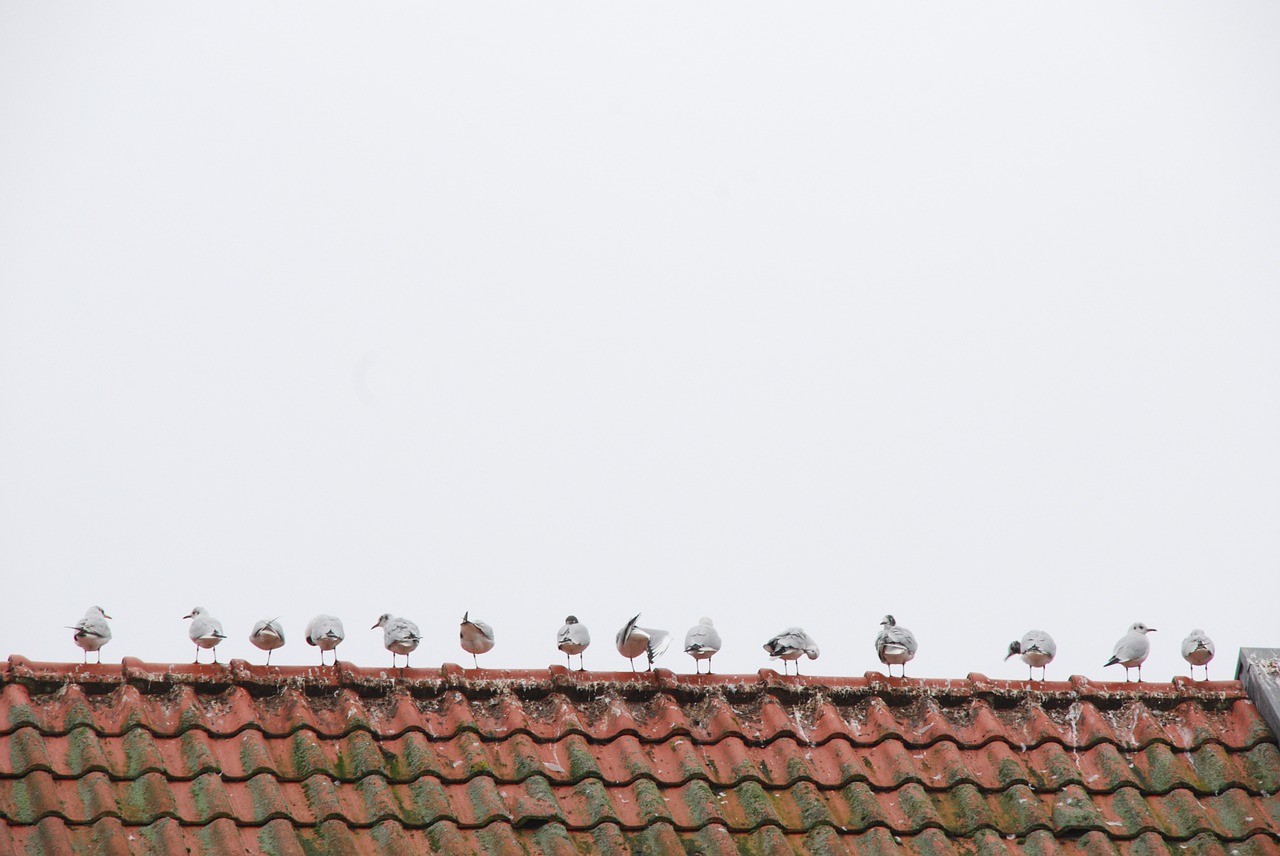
<point>131,670</point>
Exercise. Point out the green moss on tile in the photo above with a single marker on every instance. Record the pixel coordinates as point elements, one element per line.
<point>1163,770</point>
<point>650,799</point>
<point>264,793</point>
<point>20,799</point>
<point>429,802</point>
<point>552,838</point>
<point>813,808</point>
<point>141,753</point>
<point>441,836</point>
<point>1010,770</point>
<point>138,801</point>
<point>27,751</point>
<point>797,769</point>
<point>824,841</point>
<point>305,756</point>
<point>864,807</point>
<point>1073,813</point>
<point>581,762</point>
<point>83,750</point>
<point>210,797</point>
<point>1262,763</point>
<point>701,801</point>
<point>917,805</point>
<point>22,714</point>
<point>274,838</point>
<point>196,754</point>
<point>755,802</point>
<point>527,761</point>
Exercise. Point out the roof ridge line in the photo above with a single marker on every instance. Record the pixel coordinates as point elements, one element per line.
<point>131,670</point>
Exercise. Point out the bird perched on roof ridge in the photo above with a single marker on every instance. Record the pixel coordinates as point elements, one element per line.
<point>326,633</point>
<point>1198,650</point>
<point>702,642</point>
<point>92,631</point>
<point>267,635</point>
<point>399,636</point>
<point>790,645</point>
<point>1132,649</point>
<point>1037,649</point>
<point>895,644</point>
<point>573,638</point>
<point>633,640</point>
<point>475,636</point>
<point>205,631</point>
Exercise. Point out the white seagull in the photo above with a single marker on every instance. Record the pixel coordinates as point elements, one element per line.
<point>1037,649</point>
<point>205,631</point>
<point>399,635</point>
<point>267,635</point>
<point>325,632</point>
<point>475,636</point>
<point>1198,650</point>
<point>573,638</point>
<point>633,640</point>
<point>792,644</point>
<point>1132,649</point>
<point>895,644</point>
<point>92,632</point>
<point>701,643</point>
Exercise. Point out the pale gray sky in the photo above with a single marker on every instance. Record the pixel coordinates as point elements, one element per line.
<point>964,312</point>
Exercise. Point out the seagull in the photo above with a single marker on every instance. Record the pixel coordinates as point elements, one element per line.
<point>895,644</point>
<point>399,635</point>
<point>1037,649</point>
<point>267,636</point>
<point>325,632</point>
<point>633,640</point>
<point>1197,649</point>
<point>1132,649</point>
<point>701,643</point>
<point>476,637</point>
<point>790,644</point>
<point>205,631</point>
<point>573,638</point>
<point>92,632</point>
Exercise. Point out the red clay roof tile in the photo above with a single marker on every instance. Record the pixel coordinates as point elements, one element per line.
<point>147,758</point>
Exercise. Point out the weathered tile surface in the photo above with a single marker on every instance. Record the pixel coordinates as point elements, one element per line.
<point>145,758</point>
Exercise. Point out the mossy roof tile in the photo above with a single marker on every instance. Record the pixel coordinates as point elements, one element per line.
<point>154,758</point>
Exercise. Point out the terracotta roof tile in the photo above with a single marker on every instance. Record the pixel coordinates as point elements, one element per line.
<point>148,758</point>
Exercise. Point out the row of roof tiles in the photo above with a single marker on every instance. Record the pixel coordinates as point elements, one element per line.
<point>144,758</point>
<point>624,760</point>
<point>281,838</point>
<point>963,810</point>
<point>917,719</point>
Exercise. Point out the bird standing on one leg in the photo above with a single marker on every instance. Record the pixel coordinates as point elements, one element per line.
<point>633,640</point>
<point>475,636</point>
<point>267,636</point>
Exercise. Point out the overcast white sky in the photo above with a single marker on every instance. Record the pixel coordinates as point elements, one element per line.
<point>783,315</point>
